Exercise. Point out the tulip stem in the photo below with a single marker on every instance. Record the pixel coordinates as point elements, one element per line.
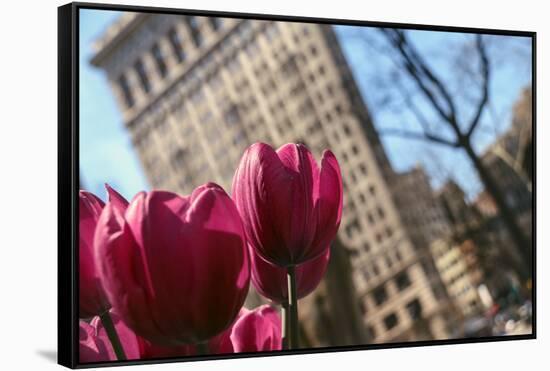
<point>285,319</point>
<point>292,308</point>
<point>202,349</point>
<point>112,335</point>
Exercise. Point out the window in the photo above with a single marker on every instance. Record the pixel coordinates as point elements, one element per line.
<point>352,227</point>
<point>215,23</point>
<point>347,129</point>
<point>142,74</point>
<point>415,309</point>
<point>159,60</point>
<point>125,87</point>
<point>330,90</point>
<point>232,116</point>
<point>313,50</point>
<point>175,42</point>
<point>371,332</point>
<point>194,29</point>
<point>252,49</point>
<point>364,308</point>
<point>390,321</point>
<point>366,275</point>
<point>380,295</point>
<point>179,158</point>
<point>375,269</point>
<point>370,218</point>
<point>398,255</point>
<point>402,280</point>
<point>197,96</point>
<point>372,190</point>
<point>271,31</point>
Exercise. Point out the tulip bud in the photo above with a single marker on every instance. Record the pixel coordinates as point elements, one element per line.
<point>291,208</point>
<point>271,280</point>
<point>176,269</point>
<point>92,298</point>
<point>254,331</point>
<point>130,342</point>
<point>91,348</point>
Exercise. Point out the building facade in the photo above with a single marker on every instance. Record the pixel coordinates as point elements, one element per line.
<point>194,92</point>
<point>460,278</point>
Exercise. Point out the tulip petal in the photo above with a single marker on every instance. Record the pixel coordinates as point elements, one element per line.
<point>128,339</point>
<point>90,347</point>
<point>329,204</point>
<point>116,198</point>
<point>271,281</point>
<point>119,262</point>
<point>92,299</point>
<point>304,171</point>
<point>262,193</point>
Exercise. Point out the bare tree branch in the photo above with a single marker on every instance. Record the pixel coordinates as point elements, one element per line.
<point>409,63</point>
<point>429,74</point>
<point>419,136</point>
<point>485,85</point>
<point>417,113</point>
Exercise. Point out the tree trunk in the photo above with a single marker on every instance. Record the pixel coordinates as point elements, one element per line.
<point>522,243</point>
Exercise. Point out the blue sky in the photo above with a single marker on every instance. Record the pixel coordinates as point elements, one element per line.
<point>106,153</point>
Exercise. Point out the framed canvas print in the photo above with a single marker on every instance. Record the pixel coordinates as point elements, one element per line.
<point>237,185</point>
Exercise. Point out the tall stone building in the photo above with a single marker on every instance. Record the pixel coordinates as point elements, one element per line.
<point>194,92</point>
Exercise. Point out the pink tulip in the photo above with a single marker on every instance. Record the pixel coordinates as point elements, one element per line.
<point>175,268</point>
<point>92,298</point>
<point>91,347</point>
<point>271,280</point>
<point>254,331</point>
<point>291,208</point>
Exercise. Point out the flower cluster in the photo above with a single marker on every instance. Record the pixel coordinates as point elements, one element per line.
<point>166,275</point>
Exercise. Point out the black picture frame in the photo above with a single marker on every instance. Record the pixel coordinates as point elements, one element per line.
<point>68,179</point>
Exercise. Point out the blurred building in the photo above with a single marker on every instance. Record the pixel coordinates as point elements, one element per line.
<point>419,208</point>
<point>194,92</point>
<point>425,220</point>
<point>509,159</point>
<point>461,215</point>
<point>460,278</point>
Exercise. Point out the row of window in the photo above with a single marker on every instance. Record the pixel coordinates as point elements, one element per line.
<point>380,294</point>
<point>159,56</point>
<point>414,310</point>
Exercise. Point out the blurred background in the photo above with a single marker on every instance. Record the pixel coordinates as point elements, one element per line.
<point>433,132</point>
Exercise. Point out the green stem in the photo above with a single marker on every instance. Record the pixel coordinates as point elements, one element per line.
<point>292,308</point>
<point>202,349</point>
<point>112,335</point>
<point>285,322</point>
